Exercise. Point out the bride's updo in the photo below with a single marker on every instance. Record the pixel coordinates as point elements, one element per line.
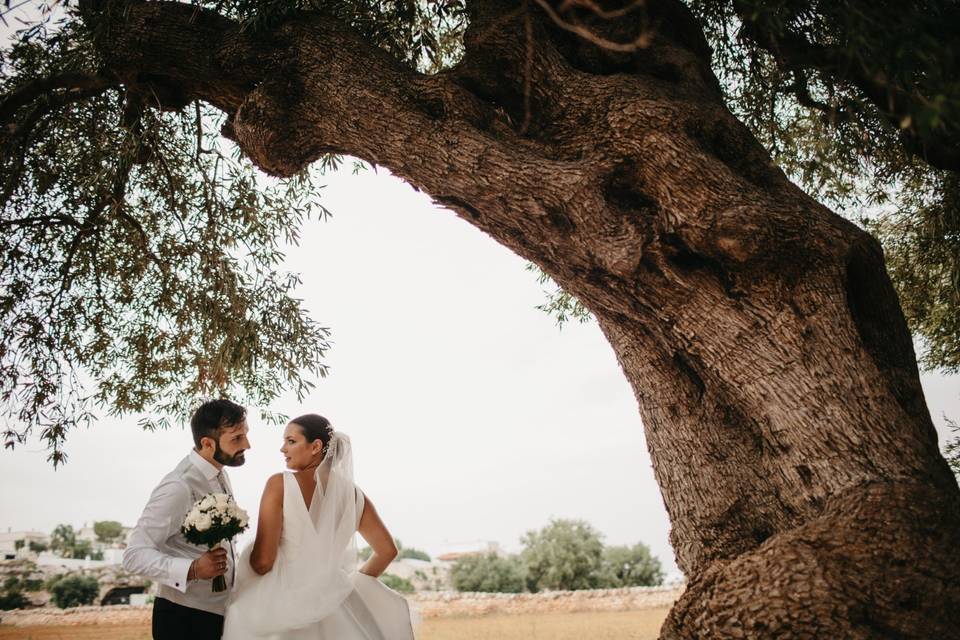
<point>313,427</point>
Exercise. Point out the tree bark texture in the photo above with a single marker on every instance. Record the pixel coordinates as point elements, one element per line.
<point>773,368</point>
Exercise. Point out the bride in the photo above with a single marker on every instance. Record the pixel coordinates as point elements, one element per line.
<point>298,580</point>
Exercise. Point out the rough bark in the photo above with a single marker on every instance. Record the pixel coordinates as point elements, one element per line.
<point>773,368</point>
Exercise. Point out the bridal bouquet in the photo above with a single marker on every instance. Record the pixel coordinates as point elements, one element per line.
<point>214,518</point>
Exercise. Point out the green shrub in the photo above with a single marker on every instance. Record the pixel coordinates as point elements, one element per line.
<point>37,547</point>
<point>398,584</point>
<point>32,584</point>
<point>52,580</point>
<point>564,555</point>
<point>414,554</point>
<point>63,539</point>
<point>630,567</point>
<point>12,600</point>
<point>488,573</point>
<point>73,591</point>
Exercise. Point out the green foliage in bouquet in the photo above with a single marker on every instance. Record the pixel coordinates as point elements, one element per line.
<point>213,519</point>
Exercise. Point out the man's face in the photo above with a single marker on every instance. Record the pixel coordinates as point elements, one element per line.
<point>231,445</point>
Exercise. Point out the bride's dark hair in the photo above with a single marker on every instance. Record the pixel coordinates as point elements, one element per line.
<point>313,427</point>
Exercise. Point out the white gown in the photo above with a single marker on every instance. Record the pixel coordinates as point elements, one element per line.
<point>301,598</point>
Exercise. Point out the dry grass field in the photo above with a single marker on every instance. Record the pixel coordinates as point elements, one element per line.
<point>620,625</point>
<point>607,625</point>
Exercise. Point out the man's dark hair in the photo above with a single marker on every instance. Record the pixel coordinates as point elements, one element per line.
<point>213,416</point>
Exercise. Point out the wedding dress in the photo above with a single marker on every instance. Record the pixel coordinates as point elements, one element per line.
<point>314,591</point>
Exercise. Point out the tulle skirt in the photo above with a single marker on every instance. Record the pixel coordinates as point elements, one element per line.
<point>371,611</point>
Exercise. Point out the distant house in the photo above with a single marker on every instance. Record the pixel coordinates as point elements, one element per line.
<point>454,552</point>
<point>86,532</point>
<point>424,575</point>
<point>16,544</point>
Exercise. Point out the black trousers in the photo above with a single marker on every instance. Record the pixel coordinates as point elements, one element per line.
<point>172,621</point>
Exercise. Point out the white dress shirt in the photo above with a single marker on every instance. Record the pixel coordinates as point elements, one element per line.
<point>158,551</point>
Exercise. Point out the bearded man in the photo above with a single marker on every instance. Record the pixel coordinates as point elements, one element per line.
<point>186,605</point>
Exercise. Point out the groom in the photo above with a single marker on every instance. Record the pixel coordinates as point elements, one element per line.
<point>185,606</point>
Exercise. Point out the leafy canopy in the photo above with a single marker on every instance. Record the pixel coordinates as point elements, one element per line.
<point>140,257</point>
<point>141,252</point>
<point>488,573</point>
<point>634,566</point>
<point>564,555</point>
<point>107,530</point>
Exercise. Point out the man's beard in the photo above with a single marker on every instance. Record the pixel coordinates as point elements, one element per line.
<point>220,456</point>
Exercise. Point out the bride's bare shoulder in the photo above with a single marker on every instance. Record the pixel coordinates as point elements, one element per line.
<point>274,483</point>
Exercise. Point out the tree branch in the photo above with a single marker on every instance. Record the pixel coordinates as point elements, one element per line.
<point>640,42</point>
<point>80,85</point>
<point>43,221</point>
<point>793,52</point>
<point>115,198</point>
<point>180,51</point>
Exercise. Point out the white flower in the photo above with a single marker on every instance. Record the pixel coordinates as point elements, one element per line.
<point>214,512</point>
<point>204,522</point>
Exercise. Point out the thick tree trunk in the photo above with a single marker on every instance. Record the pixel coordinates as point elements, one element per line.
<point>774,371</point>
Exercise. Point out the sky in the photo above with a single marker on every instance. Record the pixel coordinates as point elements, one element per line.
<point>473,417</point>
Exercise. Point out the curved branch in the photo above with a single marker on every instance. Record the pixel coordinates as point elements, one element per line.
<point>177,52</point>
<point>77,85</point>
<point>313,85</point>
<point>640,42</point>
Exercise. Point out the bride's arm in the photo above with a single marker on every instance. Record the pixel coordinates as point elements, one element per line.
<point>381,542</point>
<point>268,527</point>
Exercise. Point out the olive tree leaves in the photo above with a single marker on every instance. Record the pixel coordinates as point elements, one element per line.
<point>141,257</point>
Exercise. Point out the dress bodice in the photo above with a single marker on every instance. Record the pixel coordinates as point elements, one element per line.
<point>299,520</point>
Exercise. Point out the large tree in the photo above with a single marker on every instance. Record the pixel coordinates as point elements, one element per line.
<point>760,331</point>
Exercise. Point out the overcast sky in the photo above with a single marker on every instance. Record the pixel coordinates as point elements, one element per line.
<point>473,417</point>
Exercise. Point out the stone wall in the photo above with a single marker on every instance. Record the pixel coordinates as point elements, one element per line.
<point>428,605</point>
<point>108,576</point>
<point>453,604</point>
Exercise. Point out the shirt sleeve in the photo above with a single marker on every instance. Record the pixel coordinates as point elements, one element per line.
<point>161,519</point>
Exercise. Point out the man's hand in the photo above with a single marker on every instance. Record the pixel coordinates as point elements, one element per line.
<point>211,564</point>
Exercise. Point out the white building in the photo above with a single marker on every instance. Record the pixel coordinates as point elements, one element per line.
<point>424,575</point>
<point>454,550</point>
<point>11,540</point>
